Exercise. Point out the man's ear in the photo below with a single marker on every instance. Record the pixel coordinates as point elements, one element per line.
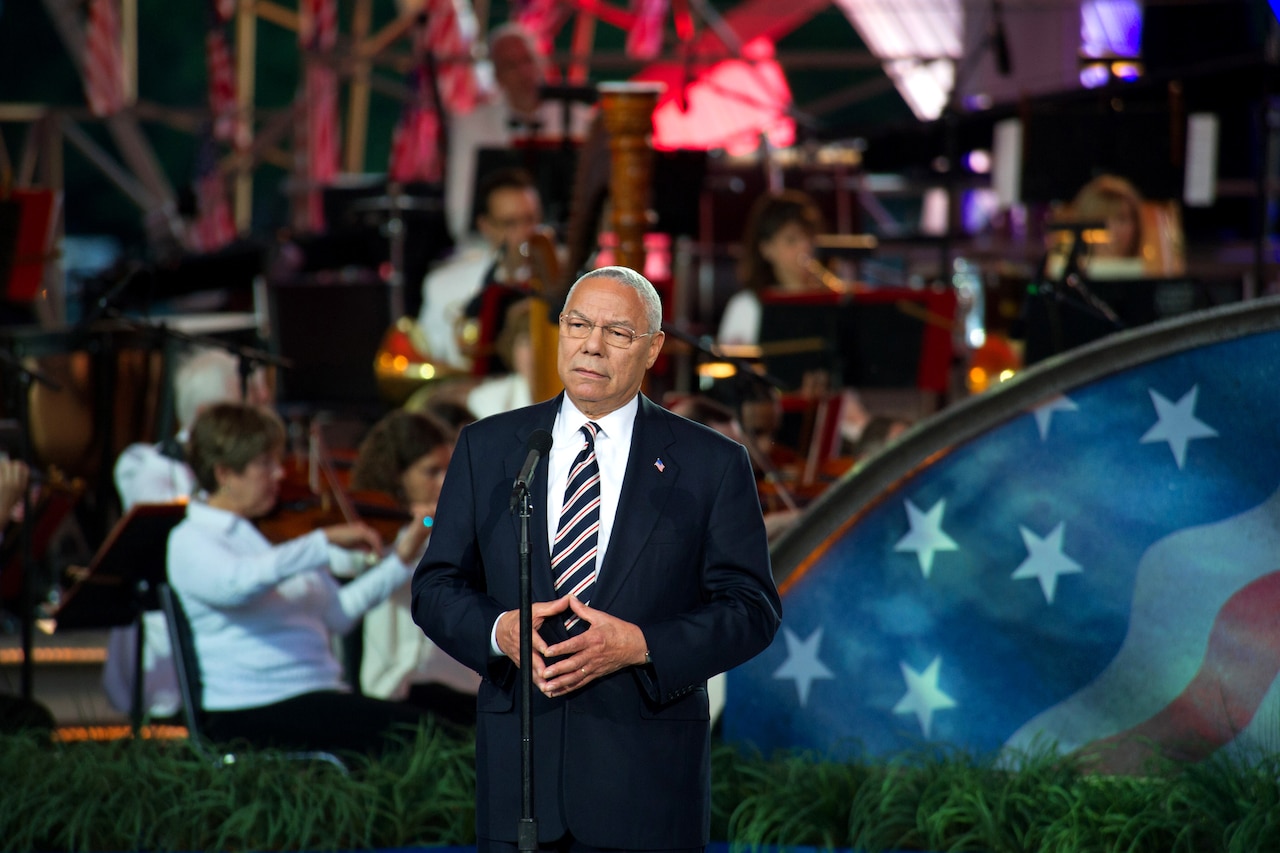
<point>655,347</point>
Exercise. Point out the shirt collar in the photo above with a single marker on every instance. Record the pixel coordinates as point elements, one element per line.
<point>616,426</point>
<point>219,520</point>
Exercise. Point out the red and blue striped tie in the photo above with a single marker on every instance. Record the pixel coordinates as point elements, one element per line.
<point>573,555</point>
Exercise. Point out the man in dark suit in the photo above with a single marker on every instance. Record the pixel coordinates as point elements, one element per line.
<point>671,585</point>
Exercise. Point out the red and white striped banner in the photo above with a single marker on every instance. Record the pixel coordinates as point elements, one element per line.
<point>444,38</point>
<point>542,19</point>
<point>317,37</point>
<point>214,225</point>
<point>415,144</point>
<point>644,39</point>
<point>104,59</point>
<point>222,85</point>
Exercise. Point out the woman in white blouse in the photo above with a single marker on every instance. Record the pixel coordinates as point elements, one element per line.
<point>262,615</point>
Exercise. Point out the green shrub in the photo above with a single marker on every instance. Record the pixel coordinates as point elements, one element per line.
<point>162,795</point>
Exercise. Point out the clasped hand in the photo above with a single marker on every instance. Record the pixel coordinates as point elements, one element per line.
<point>608,645</point>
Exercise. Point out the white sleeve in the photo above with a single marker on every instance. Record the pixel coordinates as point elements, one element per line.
<point>366,592</point>
<point>740,323</point>
<point>205,568</point>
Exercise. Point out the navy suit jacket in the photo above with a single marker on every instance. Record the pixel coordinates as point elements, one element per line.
<point>623,762</point>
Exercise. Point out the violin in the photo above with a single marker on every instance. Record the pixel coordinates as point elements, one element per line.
<point>313,494</point>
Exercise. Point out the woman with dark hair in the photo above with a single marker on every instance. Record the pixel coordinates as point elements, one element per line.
<point>405,456</point>
<point>262,615</point>
<point>777,253</point>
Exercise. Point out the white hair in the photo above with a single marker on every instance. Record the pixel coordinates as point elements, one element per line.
<point>204,377</point>
<point>628,277</point>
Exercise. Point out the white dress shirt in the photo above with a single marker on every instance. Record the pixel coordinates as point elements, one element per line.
<point>445,293</point>
<point>740,322</point>
<point>613,447</point>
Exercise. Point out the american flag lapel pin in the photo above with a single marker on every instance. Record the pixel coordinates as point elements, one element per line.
<point>657,463</point>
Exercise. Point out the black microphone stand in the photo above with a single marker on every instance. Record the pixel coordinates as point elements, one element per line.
<point>527,828</point>
<point>23,377</point>
<point>1073,277</point>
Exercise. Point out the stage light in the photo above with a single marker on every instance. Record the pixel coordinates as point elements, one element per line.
<point>1094,74</point>
<point>1127,70</point>
<point>978,161</point>
<point>716,370</point>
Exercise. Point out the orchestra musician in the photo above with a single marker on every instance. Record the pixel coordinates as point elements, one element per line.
<point>159,473</point>
<point>777,258</point>
<point>404,457</point>
<point>777,249</point>
<point>514,113</point>
<point>262,615</point>
<point>510,213</point>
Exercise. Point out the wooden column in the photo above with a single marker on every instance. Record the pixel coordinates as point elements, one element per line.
<point>628,116</point>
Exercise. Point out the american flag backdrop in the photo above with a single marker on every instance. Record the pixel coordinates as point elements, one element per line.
<point>104,59</point>
<point>1100,566</point>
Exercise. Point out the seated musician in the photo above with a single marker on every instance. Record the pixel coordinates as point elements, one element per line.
<point>158,473</point>
<point>510,213</point>
<point>777,254</point>
<point>405,456</point>
<point>262,615</point>
<point>514,113</point>
<point>777,257</point>
<point>1141,237</point>
<point>1116,204</point>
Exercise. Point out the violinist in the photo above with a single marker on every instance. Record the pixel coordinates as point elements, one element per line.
<point>262,615</point>
<point>159,473</point>
<point>404,457</point>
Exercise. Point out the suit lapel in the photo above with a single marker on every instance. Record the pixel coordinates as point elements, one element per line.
<point>645,489</point>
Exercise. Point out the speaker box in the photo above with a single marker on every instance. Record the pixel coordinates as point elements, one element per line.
<point>330,327</point>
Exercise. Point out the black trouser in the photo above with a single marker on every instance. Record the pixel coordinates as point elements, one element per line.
<point>325,720</point>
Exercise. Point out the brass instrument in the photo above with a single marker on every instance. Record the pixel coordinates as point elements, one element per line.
<point>402,365</point>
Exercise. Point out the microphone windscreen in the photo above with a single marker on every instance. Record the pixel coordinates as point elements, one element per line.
<point>540,441</point>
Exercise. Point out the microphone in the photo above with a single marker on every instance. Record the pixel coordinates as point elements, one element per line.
<point>539,443</point>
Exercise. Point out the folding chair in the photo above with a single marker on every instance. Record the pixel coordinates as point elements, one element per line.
<point>187,665</point>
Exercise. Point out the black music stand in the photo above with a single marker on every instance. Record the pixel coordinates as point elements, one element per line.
<point>121,580</point>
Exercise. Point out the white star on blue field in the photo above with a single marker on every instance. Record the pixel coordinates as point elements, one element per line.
<point>996,581</point>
